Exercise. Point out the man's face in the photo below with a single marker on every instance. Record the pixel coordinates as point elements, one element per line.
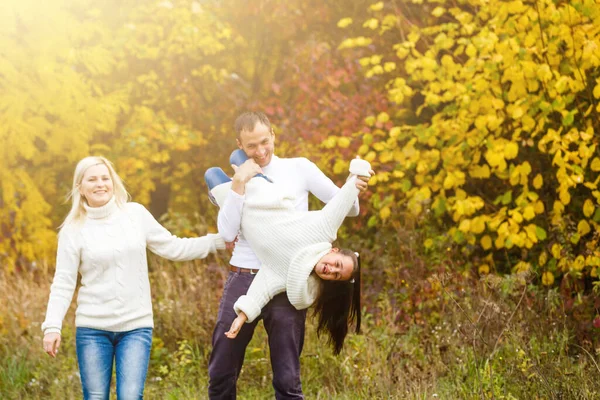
<point>258,144</point>
<point>334,266</point>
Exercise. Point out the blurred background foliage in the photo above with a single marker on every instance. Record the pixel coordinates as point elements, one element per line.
<point>480,120</point>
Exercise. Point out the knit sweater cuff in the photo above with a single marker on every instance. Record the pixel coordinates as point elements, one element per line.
<point>51,330</point>
<point>360,167</point>
<point>248,306</point>
<point>218,241</point>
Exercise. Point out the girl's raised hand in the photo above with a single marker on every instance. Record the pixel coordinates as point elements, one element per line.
<point>236,326</point>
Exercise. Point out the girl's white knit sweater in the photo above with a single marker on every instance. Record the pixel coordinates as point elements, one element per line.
<point>108,248</point>
<point>288,242</point>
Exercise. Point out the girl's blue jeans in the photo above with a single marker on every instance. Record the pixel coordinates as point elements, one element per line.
<point>96,351</point>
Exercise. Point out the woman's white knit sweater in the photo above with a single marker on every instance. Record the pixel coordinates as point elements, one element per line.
<point>288,242</point>
<point>108,248</point>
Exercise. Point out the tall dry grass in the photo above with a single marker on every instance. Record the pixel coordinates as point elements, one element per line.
<point>425,336</point>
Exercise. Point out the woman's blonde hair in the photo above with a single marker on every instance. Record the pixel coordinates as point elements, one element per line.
<point>78,212</point>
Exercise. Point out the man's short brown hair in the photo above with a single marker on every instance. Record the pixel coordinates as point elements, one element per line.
<point>248,120</point>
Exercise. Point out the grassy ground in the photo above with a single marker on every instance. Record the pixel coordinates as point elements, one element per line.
<point>437,336</point>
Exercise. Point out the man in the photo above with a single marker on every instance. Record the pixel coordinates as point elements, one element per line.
<point>283,323</point>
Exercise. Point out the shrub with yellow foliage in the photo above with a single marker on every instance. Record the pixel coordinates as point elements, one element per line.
<point>494,106</point>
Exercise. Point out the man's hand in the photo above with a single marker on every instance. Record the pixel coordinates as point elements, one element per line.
<point>243,174</point>
<point>236,326</point>
<point>51,343</point>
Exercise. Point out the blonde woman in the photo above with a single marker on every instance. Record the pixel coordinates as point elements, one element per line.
<point>104,238</point>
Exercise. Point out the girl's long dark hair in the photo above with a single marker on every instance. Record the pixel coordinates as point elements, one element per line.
<point>338,305</point>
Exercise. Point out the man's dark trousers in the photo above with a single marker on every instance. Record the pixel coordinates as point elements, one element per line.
<point>285,328</point>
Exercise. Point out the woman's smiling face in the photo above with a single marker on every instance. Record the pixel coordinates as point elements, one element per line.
<point>96,185</point>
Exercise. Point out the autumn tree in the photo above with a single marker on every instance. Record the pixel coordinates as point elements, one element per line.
<point>136,82</point>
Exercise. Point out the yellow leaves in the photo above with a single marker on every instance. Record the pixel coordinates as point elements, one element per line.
<point>402,52</point>
<point>522,266</point>
<point>486,242</point>
<point>480,171</point>
<point>547,278</point>
<point>389,66</point>
<point>374,59</point>
<point>376,6</point>
<point>596,91</point>
<point>443,41</point>
<point>370,156</point>
<point>564,196</point>
<point>511,150</point>
<point>484,269</point>
<point>556,251</point>
<point>383,117</point>
<point>465,225</point>
<point>592,260</point>
<point>516,216</point>
<point>499,242</point>
<point>595,165</point>
<point>471,51</point>
<point>583,228</point>
<point>539,207</point>
<point>413,37</point>
<point>438,11</point>
<point>385,213</point>
<point>360,41</point>
<point>516,7</point>
<point>543,258</point>
<point>516,112</point>
<point>343,142</point>
<point>579,263</point>
<point>495,159</point>
<point>330,142</point>
<point>344,22</point>
<point>588,134</point>
<point>538,181</point>
<point>588,208</point>
<point>544,73</point>
<point>558,159</point>
<point>529,213</point>
<point>372,23</point>
<point>389,21</point>
<point>478,225</point>
<point>454,179</point>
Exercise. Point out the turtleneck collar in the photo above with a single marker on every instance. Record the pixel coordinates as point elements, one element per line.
<point>102,211</point>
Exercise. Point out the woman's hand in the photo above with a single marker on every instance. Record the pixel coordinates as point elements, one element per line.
<point>236,325</point>
<point>51,343</point>
<point>362,182</point>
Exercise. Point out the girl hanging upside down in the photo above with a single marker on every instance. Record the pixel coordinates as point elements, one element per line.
<point>296,254</point>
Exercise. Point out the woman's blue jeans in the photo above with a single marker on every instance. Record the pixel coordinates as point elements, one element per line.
<point>96,351</point>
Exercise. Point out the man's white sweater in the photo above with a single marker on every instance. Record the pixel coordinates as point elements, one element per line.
<point>108,248</point>
<point>288,242</point>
